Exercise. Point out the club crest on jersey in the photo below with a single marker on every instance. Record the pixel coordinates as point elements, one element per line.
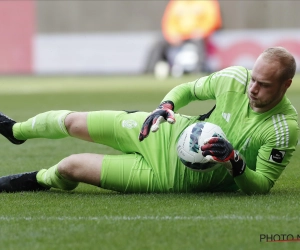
<point>130,124</point>
<point>277,155</point>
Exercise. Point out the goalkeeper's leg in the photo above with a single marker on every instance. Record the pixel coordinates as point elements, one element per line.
<point>70,171</point>
<point>65,175</point>
<point>128,173</point>
<point>51,125</point>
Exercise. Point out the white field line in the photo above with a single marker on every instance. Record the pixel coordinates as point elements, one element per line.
<point>151,218</point>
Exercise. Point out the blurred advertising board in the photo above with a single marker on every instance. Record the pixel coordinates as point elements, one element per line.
<point>241,47</point>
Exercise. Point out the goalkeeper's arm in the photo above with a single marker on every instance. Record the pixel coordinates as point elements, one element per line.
<point>249,181</point>
<point>174,100</point>
<point>181,95</point>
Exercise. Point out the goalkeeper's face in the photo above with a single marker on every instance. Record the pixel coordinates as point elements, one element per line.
<point>266,88</point>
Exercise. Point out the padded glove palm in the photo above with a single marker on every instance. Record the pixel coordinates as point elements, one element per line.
<point>220,150</point>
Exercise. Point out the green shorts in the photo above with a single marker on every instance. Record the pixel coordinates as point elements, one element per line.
<point>148,166</point>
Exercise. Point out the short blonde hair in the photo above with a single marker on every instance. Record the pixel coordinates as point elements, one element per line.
<point>284,58</point>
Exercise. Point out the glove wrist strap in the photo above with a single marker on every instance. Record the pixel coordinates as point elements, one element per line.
<point>238,165</point>
<point>167,104</point>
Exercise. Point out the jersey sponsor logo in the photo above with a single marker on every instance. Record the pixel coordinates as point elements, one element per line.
<point>277,155</point>
<point>281,130</point>
<point>226,116</point>
<point>130,124</point>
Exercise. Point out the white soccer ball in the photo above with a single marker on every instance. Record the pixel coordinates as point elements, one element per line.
<point>190,142</point>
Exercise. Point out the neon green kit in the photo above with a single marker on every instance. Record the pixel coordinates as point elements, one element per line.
<point>266,141</point>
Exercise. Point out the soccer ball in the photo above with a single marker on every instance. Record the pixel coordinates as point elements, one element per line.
<point>190,142</point>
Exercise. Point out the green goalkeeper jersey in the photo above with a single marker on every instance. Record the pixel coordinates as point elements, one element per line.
<point>265,140</point>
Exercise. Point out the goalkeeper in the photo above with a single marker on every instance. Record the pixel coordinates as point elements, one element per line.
<point>251,108</point>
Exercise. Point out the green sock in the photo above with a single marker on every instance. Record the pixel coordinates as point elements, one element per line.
<point>52,178</point>
<point>45,125</point>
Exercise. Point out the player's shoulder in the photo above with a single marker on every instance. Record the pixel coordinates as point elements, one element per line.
<point>286,108</point>
<point>282,129</point>
<point>237,74</point>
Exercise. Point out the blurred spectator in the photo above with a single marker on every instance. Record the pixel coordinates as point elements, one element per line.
<point>186,25</point>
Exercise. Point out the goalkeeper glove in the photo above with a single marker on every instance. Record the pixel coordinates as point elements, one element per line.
<point>220,150</point>
<point>163,113</point>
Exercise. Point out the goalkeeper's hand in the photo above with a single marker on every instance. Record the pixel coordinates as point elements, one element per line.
<point>163,113</point>
<point>221,151</point>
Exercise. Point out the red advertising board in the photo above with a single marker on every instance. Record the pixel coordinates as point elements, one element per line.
<point>241,47</point>
<point>17,28</point>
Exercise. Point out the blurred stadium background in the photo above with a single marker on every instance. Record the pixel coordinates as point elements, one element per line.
<point>90,55</point>
<point>116,37</point>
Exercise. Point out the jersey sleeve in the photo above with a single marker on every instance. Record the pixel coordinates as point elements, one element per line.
<point>183,94</point>
<point>209,87</point>
<point>273,157</point>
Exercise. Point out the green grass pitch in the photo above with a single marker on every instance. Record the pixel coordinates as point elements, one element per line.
<point>92,218</point>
